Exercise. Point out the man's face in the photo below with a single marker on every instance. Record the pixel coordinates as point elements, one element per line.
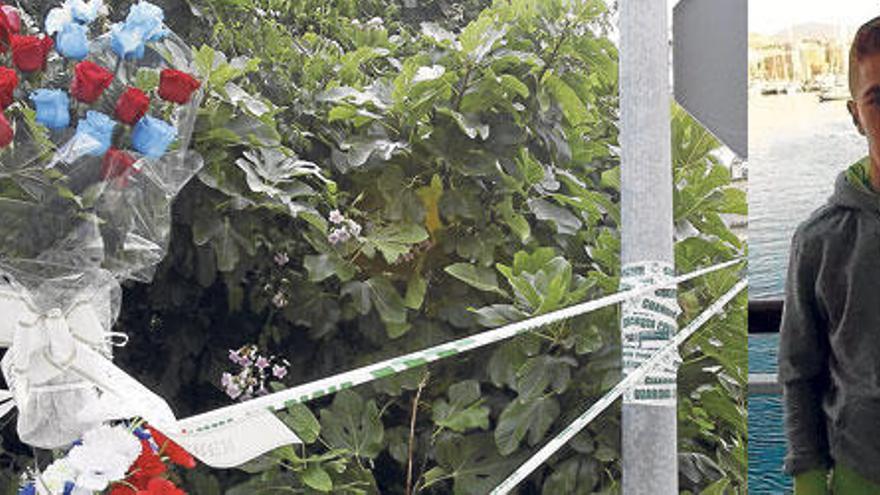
<point>865,105</point>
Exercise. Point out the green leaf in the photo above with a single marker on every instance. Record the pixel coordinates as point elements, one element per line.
<point>576,476</point>
<point>434,475</point>
<point>389,304</point>
<point>360,295</point>
<point>476,276</point>
<point>323,266</point>
<point>540,372</point>
<point>565,221</point>
<point>415,291</point>
<point>352,424</point>
<point>511,83</point>
<point>717,488</point>
<point>203,59</point>
<point>146,79</point>
<point>470,124</point>
<point>315,477</point>
<point>301,420</point>
<point>524,416</point>
<point>463,411</point>
<point>574,110</point>
<point>497,315</point>
<point>517,223</point>
<point>474,463</point>
<point>396,240</point>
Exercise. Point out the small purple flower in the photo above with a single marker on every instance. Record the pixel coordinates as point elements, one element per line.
<point>336,217</point>
<point>281,259</point>
<point>279,372</point>
<point>333,238</point>
<point>233,356</point>
<point>341,234</point>
<point>279,300</point>
<point>226,379</point>
<point>354,228</point>
<point>262,363</point>
<point>233,391</point>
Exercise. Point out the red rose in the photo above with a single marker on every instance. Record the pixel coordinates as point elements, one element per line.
<point>8,83</point>
<point>117,165</point>
<point>90,81</point>
<point>29,52</point>
<point>10,23</point>
<point>132,105</point>
<point>6,133</point>
<point>177,86</point>
<point>175,452</point>
<point>159,486</point>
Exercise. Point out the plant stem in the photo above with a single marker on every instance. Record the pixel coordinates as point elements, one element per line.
<point>412,433</point>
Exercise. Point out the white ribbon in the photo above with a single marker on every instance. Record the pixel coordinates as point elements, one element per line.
<point>67,352</point>
<point>42,348</point>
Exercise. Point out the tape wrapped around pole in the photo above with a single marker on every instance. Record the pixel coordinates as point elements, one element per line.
<point>622,386</point>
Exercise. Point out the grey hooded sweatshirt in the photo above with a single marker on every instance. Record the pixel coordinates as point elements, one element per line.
<point>829,350</point>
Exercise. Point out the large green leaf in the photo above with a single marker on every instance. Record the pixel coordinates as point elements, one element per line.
<point>353,424</point>
<point>476,276</point>
<point>464,410</point>
<point>532,416</point>
<point>394,241</point>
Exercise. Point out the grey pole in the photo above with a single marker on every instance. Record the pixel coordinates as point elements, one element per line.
<point>649,432</point>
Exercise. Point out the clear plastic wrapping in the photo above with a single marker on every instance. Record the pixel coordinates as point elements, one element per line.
<point>74,225</point>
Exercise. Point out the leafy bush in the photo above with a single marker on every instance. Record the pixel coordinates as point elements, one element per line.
<point>472,163</point>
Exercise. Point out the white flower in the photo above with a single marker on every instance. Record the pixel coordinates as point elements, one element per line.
<point>354,228</point>
<point>104,456</point>
<point>113,438</point>
<point>53,479</point>
<point>336,217</point>
<point>97,468</point>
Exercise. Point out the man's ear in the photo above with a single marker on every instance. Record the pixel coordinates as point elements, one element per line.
<point>854,112</point>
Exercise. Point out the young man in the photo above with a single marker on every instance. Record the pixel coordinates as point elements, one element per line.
<point>829,352</point>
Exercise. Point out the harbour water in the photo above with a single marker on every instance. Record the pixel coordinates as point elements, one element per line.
<point>797,146</point>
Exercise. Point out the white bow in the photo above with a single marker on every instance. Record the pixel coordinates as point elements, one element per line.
<point>72,346</point>
<point>56,364</point>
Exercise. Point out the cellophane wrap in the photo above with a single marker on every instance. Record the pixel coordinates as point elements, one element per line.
<point>69,234</point>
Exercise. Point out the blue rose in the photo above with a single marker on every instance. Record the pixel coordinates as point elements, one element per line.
<point>143,24</point>
<point>126,42</point>
<point>148,19</point>
<point>53,108</point>
<point>94,133</point>
<point>152,136</point>
<point>78,11</point>
<point>72,41</point>
<point>84,12</point>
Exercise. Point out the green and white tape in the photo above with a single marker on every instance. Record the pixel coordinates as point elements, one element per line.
<point>631,380</point>
<point>647,323</point>
<point>203,432</point>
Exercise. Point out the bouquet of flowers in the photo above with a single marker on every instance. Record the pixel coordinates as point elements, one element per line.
<point>95,124</point>
<point>94,133</point>
<point>126,459</point>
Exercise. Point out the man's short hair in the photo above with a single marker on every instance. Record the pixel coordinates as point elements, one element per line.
<point>865,43</point>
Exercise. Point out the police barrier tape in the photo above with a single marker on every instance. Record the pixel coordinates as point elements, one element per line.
<point>600,405</point>
<point>218,437</point>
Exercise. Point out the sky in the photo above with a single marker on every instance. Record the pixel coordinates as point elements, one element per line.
<point>772,16</point>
